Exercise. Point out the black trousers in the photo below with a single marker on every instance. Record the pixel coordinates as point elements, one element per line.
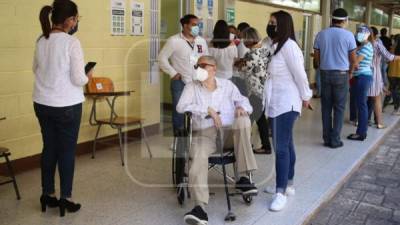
<point>258,115</point>
<point>60,129</point>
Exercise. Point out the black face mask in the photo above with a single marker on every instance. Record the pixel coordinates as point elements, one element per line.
<point>74,29</point>
<point>271,31</point>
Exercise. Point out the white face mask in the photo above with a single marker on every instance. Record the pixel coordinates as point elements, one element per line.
<point>200,75</point>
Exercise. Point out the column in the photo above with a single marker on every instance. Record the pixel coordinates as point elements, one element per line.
<point>391,16</point>
<point>326,13</point>
<point>368,13</point>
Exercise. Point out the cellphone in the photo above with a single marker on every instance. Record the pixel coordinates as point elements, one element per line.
<point>89,66</point>
<point>310,107</point>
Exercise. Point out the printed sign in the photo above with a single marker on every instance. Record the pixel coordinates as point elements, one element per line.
<point>137,18</point>
<point>118,17</point>
<point>230,16</point>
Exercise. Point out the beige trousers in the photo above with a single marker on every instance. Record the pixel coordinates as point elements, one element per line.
<point>204,144</point>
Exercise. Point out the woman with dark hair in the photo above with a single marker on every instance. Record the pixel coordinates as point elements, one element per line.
<point>362,81</point>
<point>253,68</point>
<point>378,87</point>
<point>58,66</point>
<point>223,50</point>
<point>286,92</point>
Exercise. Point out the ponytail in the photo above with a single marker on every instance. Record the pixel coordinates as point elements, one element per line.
<point>45,20</point>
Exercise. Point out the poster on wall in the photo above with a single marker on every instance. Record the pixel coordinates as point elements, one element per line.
<point>210,7</point>
<point>118,17</point>
<point>137,18</point>
<point>199,8</point>
<point>230,16</point>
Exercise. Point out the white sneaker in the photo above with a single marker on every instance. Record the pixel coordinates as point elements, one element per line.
<point>278,203</point>
<point>290,191</point>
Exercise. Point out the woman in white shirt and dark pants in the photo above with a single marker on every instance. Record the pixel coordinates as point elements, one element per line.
<point>58,95</point>
<point>285,93</point>
<point>223,50</point>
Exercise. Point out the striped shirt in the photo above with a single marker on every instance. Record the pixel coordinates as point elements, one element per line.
<point>365,66</point>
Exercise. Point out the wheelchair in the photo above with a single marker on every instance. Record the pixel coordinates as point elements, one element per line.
<point>181,161</point>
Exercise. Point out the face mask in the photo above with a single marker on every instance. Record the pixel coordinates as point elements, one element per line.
<point>362,37</point>
<point>74,29</point>
<point>231,36</point>
<point>200,75</point>
<point>195,31</point>
<point>271,31</point>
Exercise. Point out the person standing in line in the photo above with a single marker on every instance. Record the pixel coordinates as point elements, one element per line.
<point>334,53</point>
<point>362,81</point>
<point>394,77</point>
<point>285,93</point>
<point>58,66</point>
<point>242,50</point>
<point>177,59</point>
<point>223,50</point>
<point>253,69</point>
<point>381,55</point>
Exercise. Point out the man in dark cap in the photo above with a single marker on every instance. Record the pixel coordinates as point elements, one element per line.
<point>335,54</point>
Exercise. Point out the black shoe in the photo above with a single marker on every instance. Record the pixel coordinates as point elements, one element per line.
<point>357,137</point>
<point>49,201</point>
<point>71,207</point>
<point>196,217</point>
<point>339,145</point>
<point>326,144</point>
<point>246,187</point>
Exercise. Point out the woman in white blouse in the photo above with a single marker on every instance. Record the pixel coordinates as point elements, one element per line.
<point>223,50</point>
<point>58,66</point>
<point>286,91</point>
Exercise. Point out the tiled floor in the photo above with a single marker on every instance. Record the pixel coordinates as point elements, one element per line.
<point>140,193</point>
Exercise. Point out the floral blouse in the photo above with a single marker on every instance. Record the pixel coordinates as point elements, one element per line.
<point>255,68</point>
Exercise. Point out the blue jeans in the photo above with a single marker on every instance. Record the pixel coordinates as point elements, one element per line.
<point>353,104</point>
<point>282,138</point>
<point>177,87</point>
<point>361,87</point>
<point>318,81</point>
<point>334,89</point>
<point>60,129</point>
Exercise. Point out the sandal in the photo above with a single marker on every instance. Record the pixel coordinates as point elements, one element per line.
<point>356,137</point>
<point>380,126</point>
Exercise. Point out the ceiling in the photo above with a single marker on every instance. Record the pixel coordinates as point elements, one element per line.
<point>388,5</point>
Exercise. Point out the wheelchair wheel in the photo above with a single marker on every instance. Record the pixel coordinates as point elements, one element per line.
<point>247,199</point>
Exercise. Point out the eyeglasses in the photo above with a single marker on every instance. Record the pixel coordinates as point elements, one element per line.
<point>202,65</point>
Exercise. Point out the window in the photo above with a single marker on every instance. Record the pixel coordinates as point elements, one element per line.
<point>309,5</point>
<point>355,8</point>
<point>379,17</point>
<point>396,22</point>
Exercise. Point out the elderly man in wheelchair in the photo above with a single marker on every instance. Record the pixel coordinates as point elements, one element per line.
<point>218,109</point>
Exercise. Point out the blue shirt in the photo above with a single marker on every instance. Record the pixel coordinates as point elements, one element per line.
<point>365,66</point>
<point>334,45</point>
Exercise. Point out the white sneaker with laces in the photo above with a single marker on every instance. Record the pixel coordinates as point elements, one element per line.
<point>278,203</point>
<point>290,191</point>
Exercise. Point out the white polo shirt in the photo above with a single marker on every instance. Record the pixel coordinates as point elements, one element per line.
<point>179,56</point>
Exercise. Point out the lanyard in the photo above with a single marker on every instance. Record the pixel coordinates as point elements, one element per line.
<point>191,46</point>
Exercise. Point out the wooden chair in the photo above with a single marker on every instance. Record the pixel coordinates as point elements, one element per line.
<point>4,152</point>
<point>101,88</point>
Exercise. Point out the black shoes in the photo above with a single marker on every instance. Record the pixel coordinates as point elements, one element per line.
<point>71,207</point>
<point>196,217</point>
<point>51,202</point>
<point>357,137</point>
<point>246,187</point>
